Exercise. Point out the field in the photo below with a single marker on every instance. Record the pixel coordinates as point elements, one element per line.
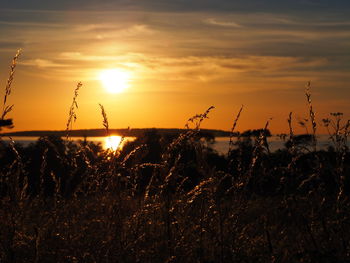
<point>173,199</point>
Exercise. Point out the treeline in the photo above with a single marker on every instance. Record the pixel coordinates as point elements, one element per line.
<point>120,132</point>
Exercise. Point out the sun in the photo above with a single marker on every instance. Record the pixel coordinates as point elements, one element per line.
<point>115,80</point>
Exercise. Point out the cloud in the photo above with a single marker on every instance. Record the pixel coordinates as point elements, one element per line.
<point>212,21</point>
<point>78,65</point>
<point>30,25</point>
<point>43,63</point>
<point>194,43</point>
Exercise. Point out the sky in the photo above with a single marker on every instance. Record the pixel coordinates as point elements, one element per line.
<point>182,57</point>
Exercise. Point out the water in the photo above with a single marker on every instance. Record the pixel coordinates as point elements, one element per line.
<point>221,144</point>
<point>111,142</point>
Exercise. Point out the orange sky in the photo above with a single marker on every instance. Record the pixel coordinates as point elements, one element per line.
<point>180,62</point>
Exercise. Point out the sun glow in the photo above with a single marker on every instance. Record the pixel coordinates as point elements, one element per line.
<point>115,80</point>
<point>113,142</point>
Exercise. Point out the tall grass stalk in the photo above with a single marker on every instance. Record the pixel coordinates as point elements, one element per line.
<point>260,145</point>
<point>312,114</point>
<point>8,108</point>
<point>233,129</point>
<point>72,116</point>
<point>105,119</point>
<point>198,119</point>
<point>291,132</point>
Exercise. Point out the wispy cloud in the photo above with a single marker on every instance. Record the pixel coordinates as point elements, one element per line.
<point>43,63</point>
<point>180,46</point>
<point>212,21</point>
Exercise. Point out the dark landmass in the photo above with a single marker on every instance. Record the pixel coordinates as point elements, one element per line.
<point>121,132</point>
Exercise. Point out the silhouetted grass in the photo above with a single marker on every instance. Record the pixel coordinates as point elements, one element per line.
<point>173,199</point>
<point>72,116</point>
<point>8,108</point>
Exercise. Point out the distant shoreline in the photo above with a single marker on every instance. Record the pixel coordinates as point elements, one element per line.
<point>121,132</point>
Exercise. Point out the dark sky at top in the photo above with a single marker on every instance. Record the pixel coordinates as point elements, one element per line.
<point>284,6</point>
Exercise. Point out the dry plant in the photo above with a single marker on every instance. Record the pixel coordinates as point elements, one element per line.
<point>7,108</point>
<point>311,114</point>
<point>291,131</point>
<point>337,131</point>
<point>72,117</point>
<point>260,147</point>
<point>198,119</point>
<point>233,130</point>
<point>105,120</point>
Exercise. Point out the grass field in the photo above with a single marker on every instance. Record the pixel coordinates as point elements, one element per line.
<point>172,199</point>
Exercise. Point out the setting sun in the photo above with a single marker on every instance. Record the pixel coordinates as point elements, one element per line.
<point>115,80</point>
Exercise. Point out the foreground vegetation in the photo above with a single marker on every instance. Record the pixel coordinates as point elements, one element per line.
<point>174,199</point>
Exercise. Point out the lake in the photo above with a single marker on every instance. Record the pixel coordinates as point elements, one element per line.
<point>221,143</point>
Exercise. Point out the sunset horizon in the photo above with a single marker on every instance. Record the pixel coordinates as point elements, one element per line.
<point>136,59</point>
<point>175,131</point>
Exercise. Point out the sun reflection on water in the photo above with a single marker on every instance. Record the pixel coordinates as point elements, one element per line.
<point>113,142</point>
